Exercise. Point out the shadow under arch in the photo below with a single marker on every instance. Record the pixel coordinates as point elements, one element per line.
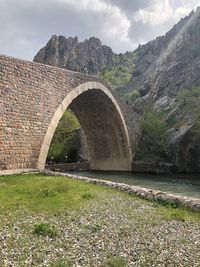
<point>102,120</point>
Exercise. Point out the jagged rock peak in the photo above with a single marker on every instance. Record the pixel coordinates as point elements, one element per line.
<point>69,53</point>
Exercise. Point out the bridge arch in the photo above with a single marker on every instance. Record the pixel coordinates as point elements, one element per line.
<point>102,120</point>
<point>33,98</point>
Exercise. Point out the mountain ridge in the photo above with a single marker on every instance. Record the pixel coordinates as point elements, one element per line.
<point>69,53</point>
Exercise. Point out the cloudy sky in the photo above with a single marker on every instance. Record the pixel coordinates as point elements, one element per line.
<point>27,25</point>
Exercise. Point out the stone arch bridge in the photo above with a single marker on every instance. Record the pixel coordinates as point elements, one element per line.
<point>33,98</point>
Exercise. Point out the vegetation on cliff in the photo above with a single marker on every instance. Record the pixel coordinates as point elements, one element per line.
<point>120,74</point>
<point>132,96</point>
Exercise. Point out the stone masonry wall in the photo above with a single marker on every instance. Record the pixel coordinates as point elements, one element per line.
<point>30,93</point>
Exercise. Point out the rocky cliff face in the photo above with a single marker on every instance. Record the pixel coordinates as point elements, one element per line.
<point>173,67</point>
<point>179,65</point>
<point>170,62</point>
<point>69,53</point>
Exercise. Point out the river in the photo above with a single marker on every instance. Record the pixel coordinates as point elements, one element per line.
<point>182,184</point>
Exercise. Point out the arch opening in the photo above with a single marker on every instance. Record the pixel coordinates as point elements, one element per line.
<point>103,124</point>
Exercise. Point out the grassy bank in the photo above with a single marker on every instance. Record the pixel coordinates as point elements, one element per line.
<point>57,221</point>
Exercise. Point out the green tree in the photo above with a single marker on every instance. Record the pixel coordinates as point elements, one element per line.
<point>66,141</point>
<point>153,143</point>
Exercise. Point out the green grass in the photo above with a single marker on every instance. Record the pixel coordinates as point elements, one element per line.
<point>115,262</point>
<point>180,214</point>
<point>32,194</point>
<point>93,227</point>
<point>41,194</point>
<point>47,193</point>
<point>173,211</point>
<point>45,229</point>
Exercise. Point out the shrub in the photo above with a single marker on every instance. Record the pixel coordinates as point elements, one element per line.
<point>133,96</point>
<point>87,195</point>
<point>189,98</point>
<point>167,203</point>
<point>45,229</point>
<point>46,193</point>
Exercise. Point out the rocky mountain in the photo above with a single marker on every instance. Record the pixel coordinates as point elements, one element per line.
<point>69,53</point>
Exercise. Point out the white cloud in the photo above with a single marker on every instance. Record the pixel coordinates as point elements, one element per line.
<point>114,26</point>
<point>92,5</point>
<point>160,12</point>
<point>158,17</point>
<point>26,25</point>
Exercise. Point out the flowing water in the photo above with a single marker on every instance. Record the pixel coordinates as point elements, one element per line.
<point>182,184</point>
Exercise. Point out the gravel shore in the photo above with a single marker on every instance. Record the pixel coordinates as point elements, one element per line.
<point>109,225</point>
